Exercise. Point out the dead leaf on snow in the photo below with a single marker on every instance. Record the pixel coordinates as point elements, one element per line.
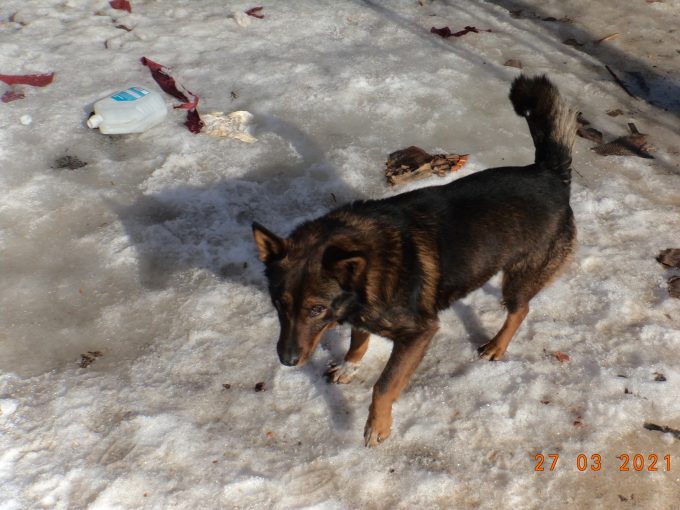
<point>634,144</point>
<point>591,134</point>
<point>562,357</point>
<point>445,32</point>
<point>89,357</point>
<point>670,257</point>
<point>255,12</point>
<point>513,62</point>
<point>414,163</point>
<point>11,95</point>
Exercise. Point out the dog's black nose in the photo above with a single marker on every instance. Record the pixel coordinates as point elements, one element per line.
<point>290,361</point>
<point>288,352</point>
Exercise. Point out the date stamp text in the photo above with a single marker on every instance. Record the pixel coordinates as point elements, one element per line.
<point>595,462</point>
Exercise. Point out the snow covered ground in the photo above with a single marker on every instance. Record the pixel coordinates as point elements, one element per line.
<point>145,255</point>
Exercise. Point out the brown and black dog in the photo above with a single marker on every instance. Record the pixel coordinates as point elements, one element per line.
<point>389,266</point>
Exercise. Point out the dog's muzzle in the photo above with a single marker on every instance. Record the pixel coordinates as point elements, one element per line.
<point>289,355</point>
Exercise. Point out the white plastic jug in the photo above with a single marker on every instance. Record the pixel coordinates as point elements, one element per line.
<point>133,110</point>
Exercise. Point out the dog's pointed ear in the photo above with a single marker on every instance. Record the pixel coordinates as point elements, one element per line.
<point>269,246</point>
<point>346,266</point>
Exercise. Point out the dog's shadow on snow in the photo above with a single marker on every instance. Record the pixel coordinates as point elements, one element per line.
<point>185,232</point>
<point>475,331</point>
<point>330,350</point>
<point>182,228</point>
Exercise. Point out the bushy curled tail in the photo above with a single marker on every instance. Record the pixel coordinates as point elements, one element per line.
<point>551,122</point>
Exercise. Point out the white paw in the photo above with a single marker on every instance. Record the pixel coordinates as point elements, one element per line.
<point>343,374</point>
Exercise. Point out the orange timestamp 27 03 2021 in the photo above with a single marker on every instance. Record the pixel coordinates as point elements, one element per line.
<point>595,462</point>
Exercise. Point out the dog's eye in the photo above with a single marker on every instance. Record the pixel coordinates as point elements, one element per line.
<point>316,310</point>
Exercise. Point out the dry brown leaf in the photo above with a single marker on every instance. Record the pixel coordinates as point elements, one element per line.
<point>89,357</point>
<point>670,257</point>
<point>629,145</point>
<point>414,163</point>
<point>513,62</point>
<point>590,133</point>
<point>634,144</point>
<point>562,357</point>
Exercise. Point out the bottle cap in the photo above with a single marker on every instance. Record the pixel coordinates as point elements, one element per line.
<point>94,121</point>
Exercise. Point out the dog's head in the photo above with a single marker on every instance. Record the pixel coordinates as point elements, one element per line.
<point>313,284</point>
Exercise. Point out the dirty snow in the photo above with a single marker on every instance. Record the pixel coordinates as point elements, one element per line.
<point>145,255</point>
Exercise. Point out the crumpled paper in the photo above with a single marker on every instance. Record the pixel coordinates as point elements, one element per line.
<point>237,125</point>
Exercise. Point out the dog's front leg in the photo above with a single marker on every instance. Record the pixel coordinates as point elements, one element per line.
<point>406,356</point>
<point>344,373</point>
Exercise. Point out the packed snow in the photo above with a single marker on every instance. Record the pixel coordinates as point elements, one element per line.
<point>142,259</point>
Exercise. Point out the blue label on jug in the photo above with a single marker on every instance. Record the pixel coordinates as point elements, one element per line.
<point>131,94</point>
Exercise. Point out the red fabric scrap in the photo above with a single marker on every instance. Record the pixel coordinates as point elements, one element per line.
<point>193,122</point>
<point>10,96</point>
<point>164,80</point>
<point>36,80</point>
<point>188,106</point>
<point>465,31</point>
<point>255,12</point>
<point>445,32</point>
<point>168,84</point>
<point>122,5</point>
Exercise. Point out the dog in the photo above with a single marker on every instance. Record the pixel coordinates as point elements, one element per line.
<point>389,266</point>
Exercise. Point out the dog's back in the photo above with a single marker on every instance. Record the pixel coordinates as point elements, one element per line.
<point>448,240</point>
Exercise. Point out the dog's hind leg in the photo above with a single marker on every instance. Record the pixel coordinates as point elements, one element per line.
<point>521,283</point>
<point>495,349</point>
<point>405,358</point>
<point>344,373</point>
